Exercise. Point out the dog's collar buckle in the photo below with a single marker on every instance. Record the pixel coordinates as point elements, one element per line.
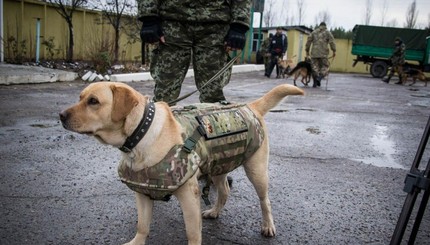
<point>141,129</point>
<point>125,149</point>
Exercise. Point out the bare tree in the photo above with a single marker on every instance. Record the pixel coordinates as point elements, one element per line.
<point>384,10</point>
<point>285,16</point>
<point>391,23</point>
<point>300,11</point>
<point>411,15</point>
<point>368,12</point>
<point>323,16</point>
<point>428,22</point>
<point>269,13</point>
<point>66,8</point>
<point>113,11</point>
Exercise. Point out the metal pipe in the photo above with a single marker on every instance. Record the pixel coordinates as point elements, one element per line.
<point>37,39</point>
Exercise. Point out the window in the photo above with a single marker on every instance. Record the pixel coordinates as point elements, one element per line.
<point>255,41</point>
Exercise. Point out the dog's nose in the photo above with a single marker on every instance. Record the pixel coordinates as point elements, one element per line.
<point>63,116</point>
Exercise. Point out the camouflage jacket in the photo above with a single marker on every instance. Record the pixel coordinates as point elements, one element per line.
<point>228,136</point>
<point>265,45</point>
<point>203,11</point>
<point>398,57</point>
<point>320,38</point>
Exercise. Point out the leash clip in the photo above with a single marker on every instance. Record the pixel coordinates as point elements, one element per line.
<point>205,195</point>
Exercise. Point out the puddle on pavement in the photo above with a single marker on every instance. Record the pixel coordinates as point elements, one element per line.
<point>385,147</point>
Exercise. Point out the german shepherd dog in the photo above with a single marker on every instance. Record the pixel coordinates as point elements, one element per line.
<point>304,69</point>
<point>415,74</point>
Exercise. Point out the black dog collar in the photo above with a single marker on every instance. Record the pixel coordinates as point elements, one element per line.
<point>141,130</point>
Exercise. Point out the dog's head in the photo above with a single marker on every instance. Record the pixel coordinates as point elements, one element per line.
<point>102,111</point>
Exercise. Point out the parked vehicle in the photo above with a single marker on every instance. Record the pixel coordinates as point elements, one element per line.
<point>374,45</point>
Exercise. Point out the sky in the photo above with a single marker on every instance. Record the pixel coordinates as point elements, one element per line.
<point>348,13</point>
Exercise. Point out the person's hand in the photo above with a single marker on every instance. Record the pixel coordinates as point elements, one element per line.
<point>236,37</point>
<point>151,31</point>
<point>334,54</point>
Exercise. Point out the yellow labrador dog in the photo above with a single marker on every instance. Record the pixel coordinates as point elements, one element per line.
<point>146,132</point>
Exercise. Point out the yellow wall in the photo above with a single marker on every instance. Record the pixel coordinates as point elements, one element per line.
<point>20,19</point>
<point>91,30</point>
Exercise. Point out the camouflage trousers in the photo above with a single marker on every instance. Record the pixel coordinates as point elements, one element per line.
<point>199,43</point>
<point>396,69</point>
<point>320,67</point>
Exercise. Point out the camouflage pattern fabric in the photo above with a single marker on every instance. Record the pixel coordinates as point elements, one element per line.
<point>162,179</point>
<point>398,57</point>
<point>319,39</point>
<point>398,60</point>
<point>170,61</point>
<point>320,66</point>
<point>223,154</point>
<point>197,12</point>
<point>218,155</point>
<point>265,52</point>
<point>194,31</point>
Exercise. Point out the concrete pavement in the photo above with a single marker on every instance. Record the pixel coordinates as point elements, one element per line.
<point>338,160</point>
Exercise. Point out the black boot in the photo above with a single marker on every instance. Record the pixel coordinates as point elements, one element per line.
<point>386,80</point>
<point>400,82</point>
<point>315,80</point>
<point>319,78</point>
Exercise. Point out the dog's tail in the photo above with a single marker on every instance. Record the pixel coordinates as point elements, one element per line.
<point>293,70</point>
<point>273,97</point>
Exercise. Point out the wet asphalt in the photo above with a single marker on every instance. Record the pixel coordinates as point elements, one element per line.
<point>339,157</point>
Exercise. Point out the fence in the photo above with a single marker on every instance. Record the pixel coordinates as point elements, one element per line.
<point>93,36</point>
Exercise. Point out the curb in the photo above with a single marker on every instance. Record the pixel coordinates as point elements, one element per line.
<point>146,76</point>
<point>21,74</point>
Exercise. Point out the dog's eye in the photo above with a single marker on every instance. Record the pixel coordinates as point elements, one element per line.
<point>93,101</point>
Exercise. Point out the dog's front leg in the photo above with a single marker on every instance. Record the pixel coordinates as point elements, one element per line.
<point>144,215</point>
<point>188,196</point>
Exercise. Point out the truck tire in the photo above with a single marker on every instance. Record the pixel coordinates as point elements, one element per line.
<point>379,69</point>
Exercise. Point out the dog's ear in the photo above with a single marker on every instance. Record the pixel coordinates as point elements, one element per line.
<point>123,102</point>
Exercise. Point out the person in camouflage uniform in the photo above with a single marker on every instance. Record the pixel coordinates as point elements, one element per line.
<point>198,31</point>
<point>319,39</point>
<point>397,60</point>
<point>265,51</point>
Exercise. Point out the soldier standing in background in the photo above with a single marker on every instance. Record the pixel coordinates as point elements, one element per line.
<point>265,51</point>
<point>319,39</point>
<point>277,48</point>
<point>397,61</point>
<point>200,32</point>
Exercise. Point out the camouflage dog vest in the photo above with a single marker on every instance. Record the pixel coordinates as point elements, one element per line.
<point>217,139</point>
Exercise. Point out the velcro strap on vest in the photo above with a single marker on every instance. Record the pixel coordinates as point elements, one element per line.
<point>190,142</point>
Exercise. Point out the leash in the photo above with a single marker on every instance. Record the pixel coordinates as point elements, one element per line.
<point>326,82</point>
<point>219,73</point>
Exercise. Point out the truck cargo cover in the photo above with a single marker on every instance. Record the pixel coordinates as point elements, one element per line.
<point>379,36</point>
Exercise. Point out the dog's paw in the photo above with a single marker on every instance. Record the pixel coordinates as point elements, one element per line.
<point>210,214</point>
<point>268,230</point>
<point>139,239</point>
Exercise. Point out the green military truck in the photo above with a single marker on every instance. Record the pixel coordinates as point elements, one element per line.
<point>374,45</point>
